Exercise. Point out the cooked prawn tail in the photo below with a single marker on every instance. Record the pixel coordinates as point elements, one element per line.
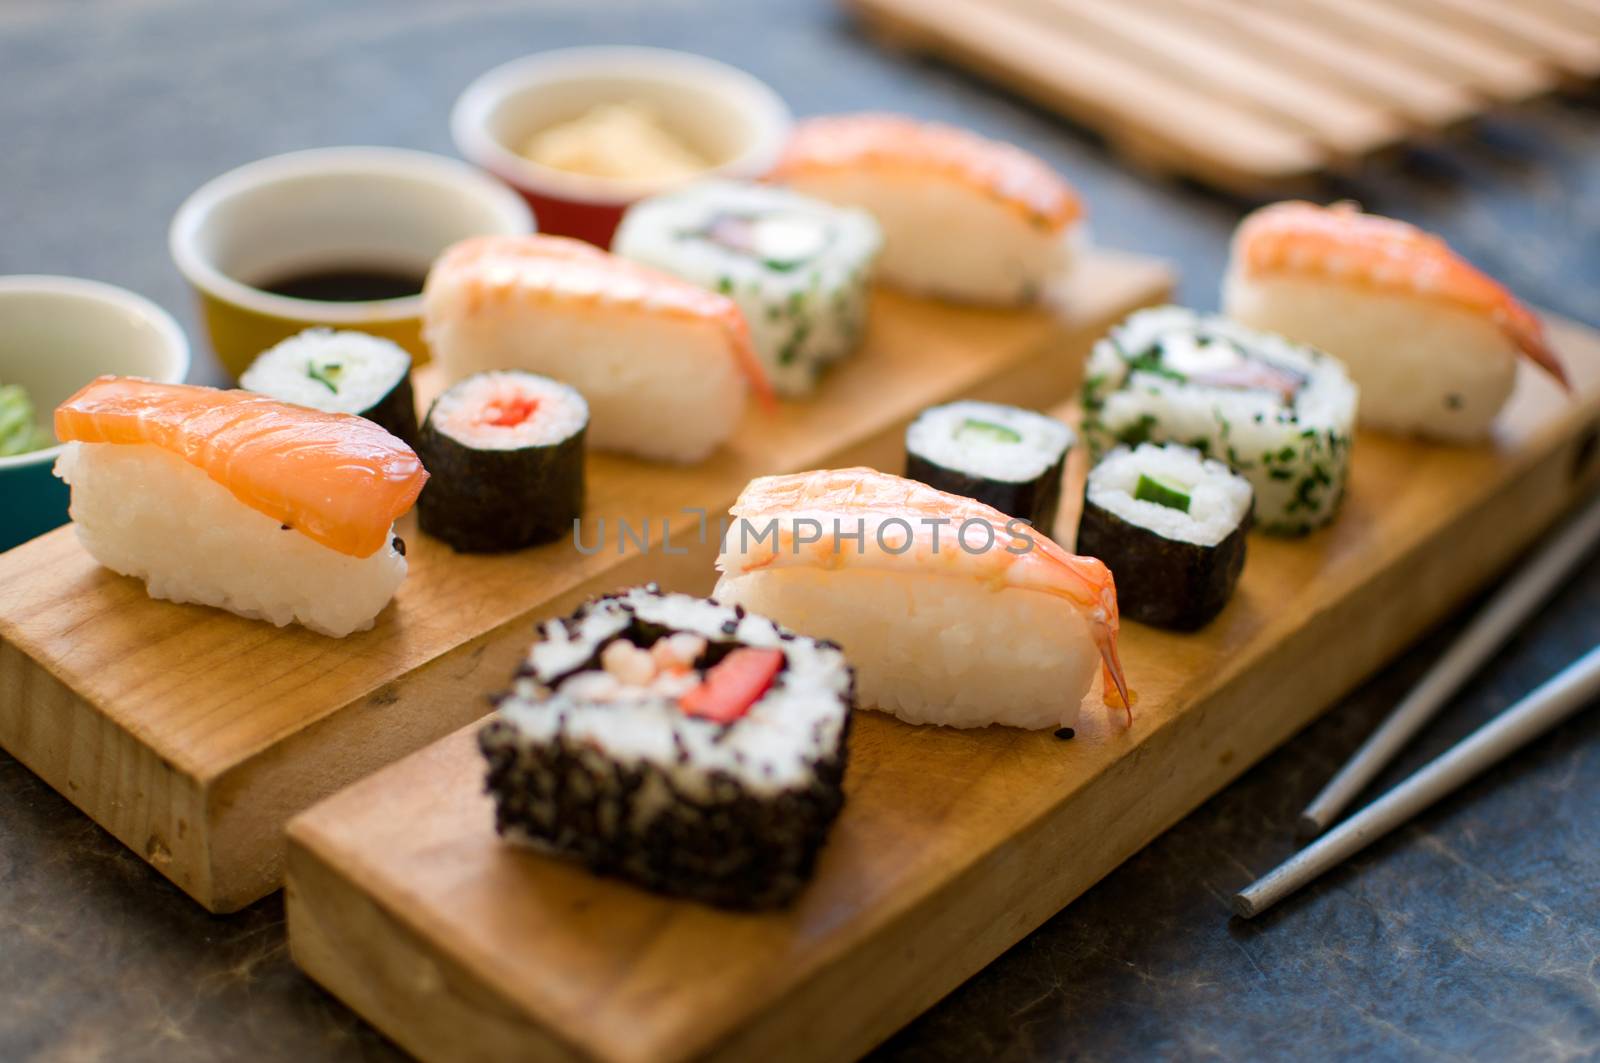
<point>1529,337</point>
<point>1099,603</point>
<point>1114,679</point>
<point>1105,639</point>
<point>755,372</point>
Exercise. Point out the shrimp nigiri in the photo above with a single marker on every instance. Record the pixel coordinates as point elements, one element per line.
<point>1431,341</point>
<point>951,612</point>
<point>665,365</point>
<point>963,217</point>
<point>232,499</point>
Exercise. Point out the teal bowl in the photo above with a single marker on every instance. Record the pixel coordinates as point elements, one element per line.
<point>56,335</point>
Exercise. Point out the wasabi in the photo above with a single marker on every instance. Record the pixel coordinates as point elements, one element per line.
<point>19,429</point>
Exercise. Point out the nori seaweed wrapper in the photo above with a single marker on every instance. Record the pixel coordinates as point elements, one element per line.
<point>1163,582</point>
<point>397,411</point>
<point>490,501</point>
<point>733,849</point>
<point>1034,501</point>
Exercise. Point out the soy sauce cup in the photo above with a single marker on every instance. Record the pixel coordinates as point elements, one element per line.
<point>725,115</point>
<point>355,209</point>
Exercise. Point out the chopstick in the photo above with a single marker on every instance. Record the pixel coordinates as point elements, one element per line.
<point>1541,710</point>
<point>1500,617</point>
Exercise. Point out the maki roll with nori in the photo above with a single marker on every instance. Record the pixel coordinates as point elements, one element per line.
<point>1003,456</point>
<point>691,747</point>
<point>505,451</point>
<point>1171,526</point>
<point>1279,413</point>
<point>798,267</point>
<point>340,372</point>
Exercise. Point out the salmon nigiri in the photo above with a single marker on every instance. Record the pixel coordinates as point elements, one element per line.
<point>951,612</point>
<point>664,364</point>
<point>1431,341</point>
<point>232,499</point>
<point>963,217</point>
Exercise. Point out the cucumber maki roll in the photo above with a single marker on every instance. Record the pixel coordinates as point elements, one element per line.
<point>504,452</point>
<point>690,747</point>
<point>1171,526</point>
<point>340,372</point>
<point>1279,413</point>
<point>1003,456</point>
<point>798,267</point>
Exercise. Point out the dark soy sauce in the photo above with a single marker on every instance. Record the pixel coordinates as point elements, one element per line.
<point>346,284</point>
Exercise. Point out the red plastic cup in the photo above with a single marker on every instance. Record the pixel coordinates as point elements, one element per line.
<point>725,114</point>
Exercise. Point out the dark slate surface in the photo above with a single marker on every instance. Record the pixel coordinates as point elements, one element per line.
<point>1472,934</point>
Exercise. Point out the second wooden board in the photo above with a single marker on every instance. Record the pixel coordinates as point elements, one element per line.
<point>193,735</point>
<point>1250,95</point>
<point>952,845</point>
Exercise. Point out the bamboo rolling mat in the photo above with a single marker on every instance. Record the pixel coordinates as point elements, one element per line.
<point>1255,96</point>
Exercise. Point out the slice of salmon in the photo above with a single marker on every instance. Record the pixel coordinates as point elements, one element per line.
<point>336,478</point>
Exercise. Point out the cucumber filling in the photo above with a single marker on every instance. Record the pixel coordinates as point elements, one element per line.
<point>1162,492</point>
<point>973,430</point>
<point>326,374</point>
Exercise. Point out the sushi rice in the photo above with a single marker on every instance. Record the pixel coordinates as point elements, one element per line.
<point>1279,413</point>
<point>137,508</point>
<point>944,623</point>
<point>964,217</point>
<point>665,366</point>
<point>798,267</point>
<point>935,648</point>
<point>1434,343</point>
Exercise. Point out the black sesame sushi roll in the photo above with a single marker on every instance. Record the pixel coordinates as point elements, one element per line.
<point>1171,526</point>
<point>690,747</point>
<point>340,372</point>
<point>1003,456</point>
<point>504,451</point>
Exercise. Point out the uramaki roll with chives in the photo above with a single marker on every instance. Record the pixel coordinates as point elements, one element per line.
<point>1278,413</point>
<point>798,267</point>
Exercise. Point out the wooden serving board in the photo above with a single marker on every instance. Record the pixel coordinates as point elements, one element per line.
<point>952,844</point>
<point>193,735</point>
<point>1256,95</point>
